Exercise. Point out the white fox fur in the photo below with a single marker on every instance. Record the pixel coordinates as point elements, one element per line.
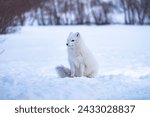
<point>82,62</point>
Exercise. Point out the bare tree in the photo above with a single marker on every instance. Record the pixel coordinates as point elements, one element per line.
<point>96,11</point>
<point>11,11</point>
<point>135,11</point>
<point>128,10</point>
<point>148,13</point>
<point>101,11</point>
<point>80,13</point>
<point>107,8</point>
<point>142,7</point>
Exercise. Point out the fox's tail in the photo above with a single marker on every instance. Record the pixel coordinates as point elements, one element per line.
<point>63,71</point>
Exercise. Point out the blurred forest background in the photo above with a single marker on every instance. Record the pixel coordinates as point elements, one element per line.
<point>72,12</point>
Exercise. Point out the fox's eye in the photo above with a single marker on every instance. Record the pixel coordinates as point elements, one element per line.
<point>72,40</point>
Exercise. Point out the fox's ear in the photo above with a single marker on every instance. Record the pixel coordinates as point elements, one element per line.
<point>77,34</point>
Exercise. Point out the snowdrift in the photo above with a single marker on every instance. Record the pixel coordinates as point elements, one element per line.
<point>27,66</point>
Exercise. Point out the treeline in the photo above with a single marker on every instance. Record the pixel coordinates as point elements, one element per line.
<point>99,12</point>
<point>11,12</point>
<point>136,11</point>
<point>71,12</point>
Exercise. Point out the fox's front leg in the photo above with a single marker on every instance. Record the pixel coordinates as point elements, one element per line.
<point>72,70</point>
<point>81,70</point>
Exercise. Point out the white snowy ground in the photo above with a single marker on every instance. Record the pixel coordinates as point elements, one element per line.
<point>27,66</point>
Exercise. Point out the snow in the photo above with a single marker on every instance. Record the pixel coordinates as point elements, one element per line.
<point>27,66</point>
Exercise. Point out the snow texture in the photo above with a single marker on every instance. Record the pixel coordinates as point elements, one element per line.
<point>27,66</point>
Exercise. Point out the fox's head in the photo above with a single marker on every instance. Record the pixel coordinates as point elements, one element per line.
<point>73,39</point>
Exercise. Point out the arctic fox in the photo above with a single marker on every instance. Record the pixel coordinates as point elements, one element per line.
<point>82,62</point>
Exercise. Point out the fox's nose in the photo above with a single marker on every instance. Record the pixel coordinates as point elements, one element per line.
<point>66,44</point>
